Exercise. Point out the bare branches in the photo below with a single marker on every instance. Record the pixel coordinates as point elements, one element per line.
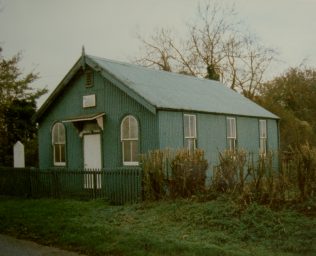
<point>157,50</point>
<point>213,48</point>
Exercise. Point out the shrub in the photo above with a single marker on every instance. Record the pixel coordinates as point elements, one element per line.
<point>188,173</point>
<point>303,167</point>
<point>173,173</point>
<point>230,175</point>
<point>243,176</point>
<point>252,178</point>
<point>154,166</point>
<point>263,182</point>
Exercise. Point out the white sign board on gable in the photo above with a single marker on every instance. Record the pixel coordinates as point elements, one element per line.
<point>88,101</point>
<point>18,155</point>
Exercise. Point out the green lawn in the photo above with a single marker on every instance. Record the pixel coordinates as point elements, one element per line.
<point>183,227</point>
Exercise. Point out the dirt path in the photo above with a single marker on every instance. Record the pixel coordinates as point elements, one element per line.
<point>10,246</point>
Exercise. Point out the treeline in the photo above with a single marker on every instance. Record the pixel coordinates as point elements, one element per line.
<point>17,106</point>
<point>292,96</point>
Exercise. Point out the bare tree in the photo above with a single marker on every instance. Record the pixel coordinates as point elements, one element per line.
<point>157,51</point>
<point>246,61</point>
<point>214,48</point>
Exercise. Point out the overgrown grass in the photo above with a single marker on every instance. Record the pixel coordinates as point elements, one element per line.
<point>181,227</point>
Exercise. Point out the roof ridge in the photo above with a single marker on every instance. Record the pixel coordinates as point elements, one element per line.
<point>214,82</point>
<point>155,89</point>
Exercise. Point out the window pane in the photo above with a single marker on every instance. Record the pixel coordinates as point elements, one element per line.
<point>231,128</point>
<point>191,145</point>
<point>125,128</point>
<point>186,123</point>
<point>129,137</point>
<point>134,153</point>
<point>129,128</point>
<point>189,123</point>
<point>127,151</point>
<point>61,134</point>
<point>133,128</point>
<point>231,144</point>
<point>55,134</point>
<point>62,153</point>
<point>58,133</point>
<point>59,153</point>
<point>263,128</point>
<point>59,140</point>
<point>56,153</point>
<point>192,126</point>
<point>263,146</point>
<point>233,120</point>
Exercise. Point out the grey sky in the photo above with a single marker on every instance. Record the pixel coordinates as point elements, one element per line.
<point>50,34</point>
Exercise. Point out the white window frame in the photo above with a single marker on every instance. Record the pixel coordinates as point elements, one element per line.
<point>128,140</point>
<point>263,137</point>
<point>60,142</point>
<point>231,133</point>
<point>189,133</point>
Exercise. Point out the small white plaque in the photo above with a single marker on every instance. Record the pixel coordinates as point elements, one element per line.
<point>88,101</point>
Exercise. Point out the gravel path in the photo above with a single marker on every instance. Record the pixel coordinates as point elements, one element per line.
<point>10,246</point>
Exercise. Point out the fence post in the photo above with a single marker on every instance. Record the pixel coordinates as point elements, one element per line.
<point>28,182</point>
<point>94,184</point>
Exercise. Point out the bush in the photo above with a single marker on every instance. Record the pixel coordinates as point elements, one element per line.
<point>155,166</point>
<point>248,177</point>
<point>252,178</point>
<point>245,177</point>
<point>173,173</point>
<point>188,173</point>
<point>303,168</point>
<point>229,175</point>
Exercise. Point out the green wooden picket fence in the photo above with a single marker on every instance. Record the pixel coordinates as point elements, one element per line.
<point>118,186</point>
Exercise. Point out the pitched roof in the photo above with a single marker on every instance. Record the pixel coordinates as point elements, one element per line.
<point>165,90</point>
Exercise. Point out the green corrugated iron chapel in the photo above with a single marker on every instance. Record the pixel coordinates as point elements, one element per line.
<point>105,113</point>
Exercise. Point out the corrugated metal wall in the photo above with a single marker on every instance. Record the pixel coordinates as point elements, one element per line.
<point>248,134</point>
<point>109,99</point>
<point>211,133</point>
<point>163,130</point>
<point>170,129</point>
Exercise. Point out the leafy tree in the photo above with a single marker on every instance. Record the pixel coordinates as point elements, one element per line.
<point>17,105</point>
<point>214,48</point>
<point>292,96</point>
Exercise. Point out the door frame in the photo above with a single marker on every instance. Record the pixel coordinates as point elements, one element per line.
<point>90,179</point>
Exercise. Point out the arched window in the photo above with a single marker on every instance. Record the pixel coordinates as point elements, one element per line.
<point>129,139</point>
<point>59,141</point>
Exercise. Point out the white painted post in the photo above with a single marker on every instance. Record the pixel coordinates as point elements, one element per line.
<point>18,155</point>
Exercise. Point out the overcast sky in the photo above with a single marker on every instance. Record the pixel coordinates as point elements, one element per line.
<point>50,33</point>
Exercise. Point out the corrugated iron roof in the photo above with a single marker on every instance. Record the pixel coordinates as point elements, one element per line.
<point>166,90</point>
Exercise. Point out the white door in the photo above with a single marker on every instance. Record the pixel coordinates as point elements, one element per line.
<point>92,159</point>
